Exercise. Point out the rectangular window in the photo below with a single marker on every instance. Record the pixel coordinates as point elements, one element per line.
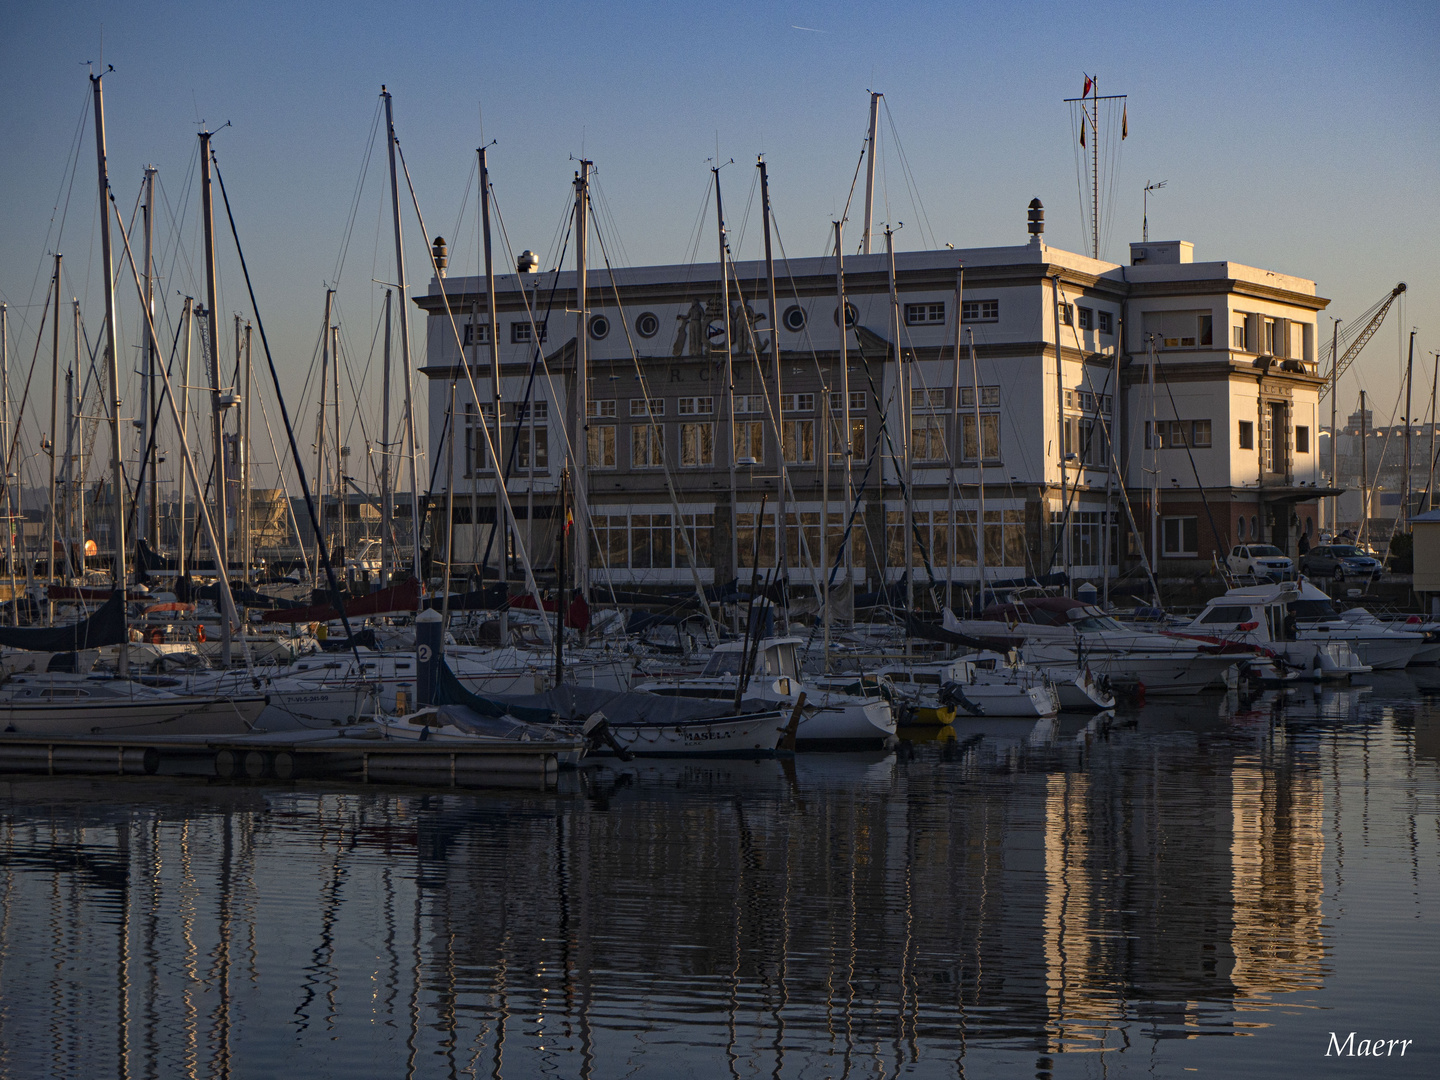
<point>520,332</point>
<point>927,438</point>
<point>1247,435</point>
<point>612,546</point>
<point>1200,433</point>
<point>797,438</point>
<point>601,440</point>
<point>1178,434</point>
<point>1302,440</point>
<point>1067,318</point>
<point>857,402</point>
<point>477,334</point>
<point>979,310</point>
<point>541,437</point>
<point>857,439</point>
<point>697,445</point>
<point>476,457</point>
<point>1237,337</point>
<point>749,403</point>
<point>646,446</point>
<point>695,406</point>
<point>650,541</point>
<point>989,397</point>
<point>1180,536</point>
<point>749,442</point>
<point>523,411</point>
<point>1205,330</point>
<point>604,407</point>
<point>923,314</point>
<point>637,407</point>
<point>1107,322</point>
<point>925,400</point>
<point>990,433</point>
<point>698,530</point>
<point>1087,318</point>
<point>793,403</point>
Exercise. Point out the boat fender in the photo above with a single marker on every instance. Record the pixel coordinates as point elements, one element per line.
<point>200,632</point>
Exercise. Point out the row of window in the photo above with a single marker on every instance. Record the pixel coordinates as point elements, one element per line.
<point>1089,318</point>
<point>745,404</point>
<point>941,542</point>
<point>1177,434</point>
<point>653,542</point>
<point>1085,401</point>
<point>794,318</point>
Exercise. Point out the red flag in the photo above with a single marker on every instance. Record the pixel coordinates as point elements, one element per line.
<point>1125,122</point>
<point>1088,84</point>
<point>569,520</point>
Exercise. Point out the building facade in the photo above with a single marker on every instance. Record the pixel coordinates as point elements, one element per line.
<point>1167,406</point>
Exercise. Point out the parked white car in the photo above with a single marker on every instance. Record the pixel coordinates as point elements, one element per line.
<point>1263,562</point>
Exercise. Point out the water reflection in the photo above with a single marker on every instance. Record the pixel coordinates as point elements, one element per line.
<point>999,894</point>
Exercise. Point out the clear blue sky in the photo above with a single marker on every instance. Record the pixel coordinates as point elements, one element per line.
<point>1298,137</point>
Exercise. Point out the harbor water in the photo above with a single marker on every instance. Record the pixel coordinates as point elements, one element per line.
<point>1213,886</point>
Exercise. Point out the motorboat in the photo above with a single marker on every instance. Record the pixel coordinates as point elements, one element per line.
<point>984,681</point>
<point>1057,631</point>
<point>1268,618</point>
<point>830,718</point>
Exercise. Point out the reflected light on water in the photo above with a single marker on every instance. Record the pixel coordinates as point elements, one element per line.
<point>999,896</point>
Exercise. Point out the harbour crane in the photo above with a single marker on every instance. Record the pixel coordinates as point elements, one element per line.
<point>1339,362</point>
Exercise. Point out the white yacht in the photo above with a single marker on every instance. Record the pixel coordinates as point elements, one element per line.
<point>830,717</point>
<point>1058,631</point>
<point>96,704</point>
<point>985,680</point>
<point>1295,621</point>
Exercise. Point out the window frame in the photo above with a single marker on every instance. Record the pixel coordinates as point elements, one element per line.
<point>925,313</point>
<point>980,310</point>
<point>1180,522</point>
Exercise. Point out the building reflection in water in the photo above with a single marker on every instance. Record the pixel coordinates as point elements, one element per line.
<point>1008,891</point>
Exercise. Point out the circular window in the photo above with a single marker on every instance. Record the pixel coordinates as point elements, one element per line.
<point>852,315</point>
<point>794,318</point>
<point>599,326</point>
<point>647,325</point>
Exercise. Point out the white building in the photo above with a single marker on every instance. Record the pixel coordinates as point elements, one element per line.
<point>1228,434</point>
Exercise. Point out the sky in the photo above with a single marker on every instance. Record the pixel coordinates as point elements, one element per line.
<point>1303,138</point>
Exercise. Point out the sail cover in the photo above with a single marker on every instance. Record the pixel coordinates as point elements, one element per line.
<point>105,627</point>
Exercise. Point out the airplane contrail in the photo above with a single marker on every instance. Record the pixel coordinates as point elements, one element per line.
<point>811,29</point>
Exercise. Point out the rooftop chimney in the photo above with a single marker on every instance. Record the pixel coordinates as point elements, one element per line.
<point>1036,224</point>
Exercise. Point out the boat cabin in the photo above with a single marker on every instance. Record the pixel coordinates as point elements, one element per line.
<point>776,658</point>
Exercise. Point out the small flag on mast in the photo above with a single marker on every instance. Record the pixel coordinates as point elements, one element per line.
<point>1082,132</point>
<point>569,520</point>
<point>1125,122</point>
<point>1088,83</point>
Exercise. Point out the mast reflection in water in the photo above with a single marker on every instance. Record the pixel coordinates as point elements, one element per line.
<point>1011,899</point>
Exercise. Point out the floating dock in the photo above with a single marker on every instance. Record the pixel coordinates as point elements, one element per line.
<point>286,756</point>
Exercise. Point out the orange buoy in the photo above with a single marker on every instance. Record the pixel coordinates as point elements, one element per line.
<point>200,632</point>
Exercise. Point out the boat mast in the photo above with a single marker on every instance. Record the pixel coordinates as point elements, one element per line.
<point>386,497</point>
<point>149,522</point>
<point>112,358</point>
<point>780,519</point>
<point>187,314</point>
<point>1409,423</point>
<point>54,427</point>
<point>339,448</point>
<point>404,336</point>
<point>320,428</point>
<point>217,414</point>
<point>1430,479</point>
<point>1064,454</point>
<point>734,522</point>
<point>75,467</point>
<point>1364,477</point>
<point>1334,386</point>
<point>246,507</point>
<point>870,176</point>
<point>902,394</point>
<point>502,501</point>
<point>957,445</point>
<point>5,458</point>
<point>979,475</point>
<point>579,422</point>
<point>847,441</point>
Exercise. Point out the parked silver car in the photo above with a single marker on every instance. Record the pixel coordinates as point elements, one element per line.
<point>1339,561</point>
